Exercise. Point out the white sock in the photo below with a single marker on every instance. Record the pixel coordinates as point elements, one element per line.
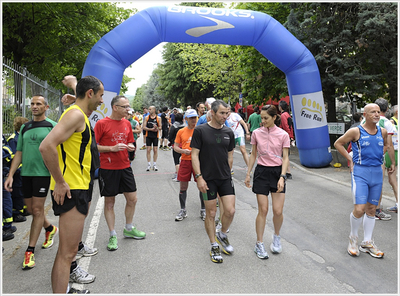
<point>113,233</point>
<point>154,163</point>
<point>355,224</point>
<point>128,226</point>
<point>369,225</point>
<point>149,163</point>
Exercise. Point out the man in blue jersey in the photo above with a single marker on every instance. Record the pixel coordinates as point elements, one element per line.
<point>369,143</point>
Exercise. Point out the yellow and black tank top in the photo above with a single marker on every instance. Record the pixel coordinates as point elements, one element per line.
<point>75,157</point>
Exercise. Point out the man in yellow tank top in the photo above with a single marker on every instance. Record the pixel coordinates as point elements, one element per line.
<point>66,153</point>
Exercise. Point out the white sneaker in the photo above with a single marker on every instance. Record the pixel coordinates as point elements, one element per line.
<point>86,252</point>
<point>259,249</point>
<point>155,168</point>
<point>148,168</point>
<point>276,246</point>
<point>80,276</point>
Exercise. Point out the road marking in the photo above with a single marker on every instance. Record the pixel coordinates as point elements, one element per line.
<point>84,262</point>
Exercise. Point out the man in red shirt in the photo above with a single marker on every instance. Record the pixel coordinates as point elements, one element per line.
<point>114,139</point>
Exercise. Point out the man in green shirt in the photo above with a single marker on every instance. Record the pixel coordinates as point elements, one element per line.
<point>254,120</point>
<point>35,176</point>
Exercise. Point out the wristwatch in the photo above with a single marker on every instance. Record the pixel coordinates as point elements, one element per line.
<point>284,177</point>
<point>197,175</point>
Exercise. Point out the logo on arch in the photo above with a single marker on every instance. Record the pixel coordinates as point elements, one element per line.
<point>309,110</point>
<point>200,31</point>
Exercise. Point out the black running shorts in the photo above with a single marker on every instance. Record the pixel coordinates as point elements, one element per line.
<point>114,182</point>
<point>79,199</point>
<point>221,187</point>
<point>266,179</point>
<point>35,186</point>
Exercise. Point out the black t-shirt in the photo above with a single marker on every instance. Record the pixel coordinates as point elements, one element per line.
<point>214,145</point>
<point>164,121</point>
<point>151,122</point>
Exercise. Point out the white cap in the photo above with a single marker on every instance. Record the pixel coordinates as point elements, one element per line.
<point>210,101</point>
<point>190,113</point>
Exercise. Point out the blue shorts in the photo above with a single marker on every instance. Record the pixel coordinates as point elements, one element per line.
<point>366,184</point>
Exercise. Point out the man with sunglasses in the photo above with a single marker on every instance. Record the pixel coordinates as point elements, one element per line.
<point>114,139</point>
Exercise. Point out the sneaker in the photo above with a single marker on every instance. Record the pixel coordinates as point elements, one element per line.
<point>224,242</point>
<point>86,252</point>
<point>167,148</point>
<point>381,215</point>
<point>369,247</point>
<point>392,209</point>
<point>232,172</point>
<point>134,233</point>
<point>215,255</point>
<point>148,168</point>
<point>19,218</point>
<point>259,249</point>
<point>175,176</point>
<point>29,261</point>
<point>175,179</point>
<point>80,276</point>
<point>155,168</point>
<point>76,291</point>
<point>49,238</point>
<point>276,246</point>
<point>7,235</point>
<point>181,215</point>
<point>112,243</point>
<point>352,249</point>
<point>219,226</point>
<point>203,214</point>
<point>289,176</point>
<point>143,147</point>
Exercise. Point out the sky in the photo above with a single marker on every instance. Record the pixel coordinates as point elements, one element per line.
<point>141,69</point>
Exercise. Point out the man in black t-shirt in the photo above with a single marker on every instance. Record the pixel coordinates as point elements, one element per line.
<point>152,125</point>
<point>165,128</point>
<point>212,157</point>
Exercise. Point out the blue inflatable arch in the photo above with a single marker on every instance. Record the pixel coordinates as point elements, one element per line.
<point>122,46</point>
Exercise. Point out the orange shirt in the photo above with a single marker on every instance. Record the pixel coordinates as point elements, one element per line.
<point>183,138</point>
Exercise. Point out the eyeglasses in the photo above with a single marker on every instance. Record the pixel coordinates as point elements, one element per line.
<point>125,107</point>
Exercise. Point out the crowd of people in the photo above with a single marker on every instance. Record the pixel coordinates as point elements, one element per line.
<point>202,141</point>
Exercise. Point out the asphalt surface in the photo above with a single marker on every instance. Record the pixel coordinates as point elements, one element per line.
<point>174,256</point>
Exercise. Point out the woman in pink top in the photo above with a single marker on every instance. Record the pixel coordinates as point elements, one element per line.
<point>271,144</point>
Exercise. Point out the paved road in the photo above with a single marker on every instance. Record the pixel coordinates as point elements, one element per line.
<point>174,256</point>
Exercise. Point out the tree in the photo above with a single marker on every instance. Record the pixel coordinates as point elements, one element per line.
<point>53,39</point>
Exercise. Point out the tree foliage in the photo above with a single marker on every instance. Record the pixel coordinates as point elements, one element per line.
<point>53,39</point>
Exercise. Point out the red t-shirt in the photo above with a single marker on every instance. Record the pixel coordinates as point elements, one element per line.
<point>285,124</point>
<point>110,132</point>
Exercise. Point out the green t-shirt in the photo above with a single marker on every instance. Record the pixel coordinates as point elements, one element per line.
<point>254,120</point>
<point>31,136</point>
<point>133,124</point>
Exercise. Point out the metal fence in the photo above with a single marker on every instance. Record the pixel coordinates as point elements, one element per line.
<point>18,87</point>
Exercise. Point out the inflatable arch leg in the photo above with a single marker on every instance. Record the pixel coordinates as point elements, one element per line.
<point>126,43</point>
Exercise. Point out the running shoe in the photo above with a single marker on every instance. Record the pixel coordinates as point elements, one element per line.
<point>148,168</point>
<point>369,247</point>
<point>352,249</point>
<point>224,242</point>
<point>215,255</point>
<point>259,249</point>
<point>232,172</point>
<point>203,214</point>
<point>112,243</point>
<point>276,246</point>
<point>29,261</point>
<point>392,209</point>
<point>80,276</point>
<point>155,168</point>
<point>181,215</point>
<point>49,237</point>
<point>86,252</point>
<point>143,147</point>
<point>134,233</point>
<point>76,291</point>
<point>175,176</point>
<point>289,176</point>
<point>381,215</point>
<point>175,179</point>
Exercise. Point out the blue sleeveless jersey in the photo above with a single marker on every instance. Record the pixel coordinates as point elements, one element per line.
<point>368,149</point>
